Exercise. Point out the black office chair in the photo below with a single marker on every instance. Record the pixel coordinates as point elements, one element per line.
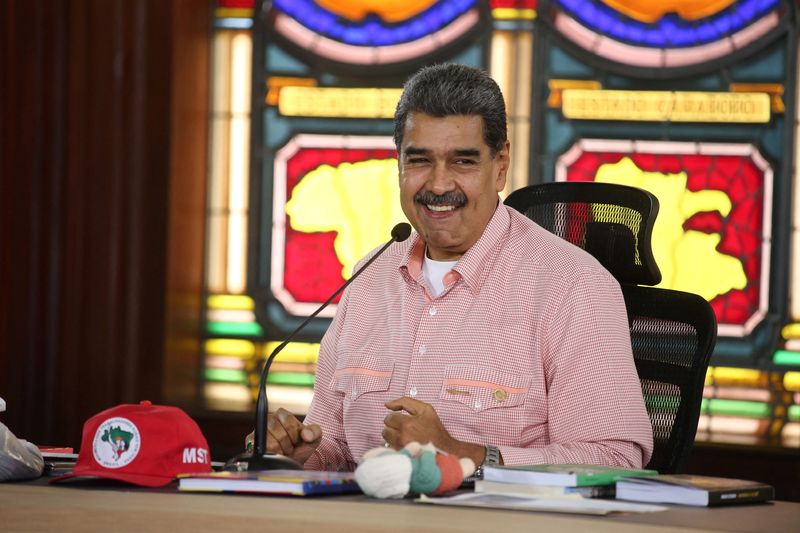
<point>612,222</point>
<point>672,332</point>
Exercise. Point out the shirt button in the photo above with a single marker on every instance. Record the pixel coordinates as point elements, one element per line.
<point>477,404</point>
<point>422,349</point>
<point>354,392</point>
<point>412,392</point>
<point>432,311</point>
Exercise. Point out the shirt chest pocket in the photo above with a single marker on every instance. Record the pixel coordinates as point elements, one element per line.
<point>481,388</point>
<point>362,375</point>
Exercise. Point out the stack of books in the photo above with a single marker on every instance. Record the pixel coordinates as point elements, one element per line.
<point>549,481</point>
<point>687,489</point>
<point>58,460</point>
<point>286,482</point>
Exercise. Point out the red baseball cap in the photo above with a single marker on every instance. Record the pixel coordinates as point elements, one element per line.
<point>144,444</point>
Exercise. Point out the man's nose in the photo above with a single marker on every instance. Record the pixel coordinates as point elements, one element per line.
<point>441,179</point>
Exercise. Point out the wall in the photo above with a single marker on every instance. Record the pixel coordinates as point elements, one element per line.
<point>89,244</point>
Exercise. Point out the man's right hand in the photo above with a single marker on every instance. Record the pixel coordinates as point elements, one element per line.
<point>288,436</point>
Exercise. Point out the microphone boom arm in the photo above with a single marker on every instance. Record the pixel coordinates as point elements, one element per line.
<point>260,437</point>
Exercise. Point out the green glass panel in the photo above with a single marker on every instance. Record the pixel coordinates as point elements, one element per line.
<point>234,329</point>
<point>296,379</point>
<point>227,375</point>
<point>785,357</point>
<point>660,403</point>
<point>718,406</point>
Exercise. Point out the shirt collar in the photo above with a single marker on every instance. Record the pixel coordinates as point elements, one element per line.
<point>471,267</point>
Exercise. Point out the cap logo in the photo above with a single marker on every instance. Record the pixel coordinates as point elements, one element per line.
<point>116,443</point>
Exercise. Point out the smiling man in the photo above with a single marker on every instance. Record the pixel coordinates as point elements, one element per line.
<point>482,333</point>
<point>449,180</point>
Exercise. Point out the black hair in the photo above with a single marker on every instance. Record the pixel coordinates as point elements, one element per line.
<point>450,89</point>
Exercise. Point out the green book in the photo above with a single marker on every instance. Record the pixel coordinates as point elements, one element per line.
<point>561,475</point>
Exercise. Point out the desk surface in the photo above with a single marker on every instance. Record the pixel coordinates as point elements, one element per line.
<point>75,507</point>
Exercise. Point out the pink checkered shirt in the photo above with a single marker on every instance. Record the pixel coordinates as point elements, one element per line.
<point>527,349</point>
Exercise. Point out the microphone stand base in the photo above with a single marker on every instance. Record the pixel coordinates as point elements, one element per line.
<point>250,461</point>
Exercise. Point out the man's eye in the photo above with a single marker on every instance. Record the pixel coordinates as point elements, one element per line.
<point>415,160</point>
<point>465,162</point>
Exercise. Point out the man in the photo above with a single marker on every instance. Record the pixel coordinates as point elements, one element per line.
<point>482,333</point>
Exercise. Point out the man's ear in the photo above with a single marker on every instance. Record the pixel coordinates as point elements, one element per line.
<point>399,163</point>
<point>503,161</point>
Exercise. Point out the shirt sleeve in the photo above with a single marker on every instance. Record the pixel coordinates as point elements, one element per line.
<point>595,410</point>
<point>326,405</point>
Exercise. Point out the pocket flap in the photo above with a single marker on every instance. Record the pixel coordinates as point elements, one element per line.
<point>360,375</point>
<point>483,388</point>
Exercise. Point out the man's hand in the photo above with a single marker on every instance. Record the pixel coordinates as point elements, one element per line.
<point>423,425</point>
<point>288,436</point>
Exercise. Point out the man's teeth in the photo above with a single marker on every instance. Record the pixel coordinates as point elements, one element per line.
<point>440,207</point>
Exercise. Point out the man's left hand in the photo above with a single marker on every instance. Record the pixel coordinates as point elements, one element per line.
<point>421,424</point>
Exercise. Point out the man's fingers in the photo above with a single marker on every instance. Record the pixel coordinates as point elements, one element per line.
<point>311,434</point>
<point>286,434</point>
<point>390,437</point>
<point>278,440</point>
<point>409,405</point>
<point>285,429</point>
<point>290,423</point>
<point>394,420</point>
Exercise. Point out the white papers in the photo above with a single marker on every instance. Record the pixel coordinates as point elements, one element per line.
<point>591,506</point>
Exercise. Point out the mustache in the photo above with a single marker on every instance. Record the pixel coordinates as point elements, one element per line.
<point>449,198</point>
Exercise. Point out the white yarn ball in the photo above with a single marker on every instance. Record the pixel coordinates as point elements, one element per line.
<point>385,476</point>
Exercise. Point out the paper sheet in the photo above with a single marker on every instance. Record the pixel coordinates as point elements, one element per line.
<point>590,506</point>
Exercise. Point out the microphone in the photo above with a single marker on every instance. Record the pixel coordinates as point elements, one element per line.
<point>258,458</point>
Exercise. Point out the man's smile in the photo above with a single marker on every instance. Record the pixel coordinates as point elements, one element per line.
<point>441,203</point>
<point>440,207</point>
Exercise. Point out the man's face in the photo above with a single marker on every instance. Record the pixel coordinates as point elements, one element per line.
<point>449,181</point>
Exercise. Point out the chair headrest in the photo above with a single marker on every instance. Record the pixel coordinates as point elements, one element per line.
<point>612,222</point>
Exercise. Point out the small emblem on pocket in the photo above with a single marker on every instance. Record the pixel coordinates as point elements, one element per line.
<point>456,391</point>
<point>500,395</point>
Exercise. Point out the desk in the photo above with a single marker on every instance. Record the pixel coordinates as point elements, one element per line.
<point>36,507</point>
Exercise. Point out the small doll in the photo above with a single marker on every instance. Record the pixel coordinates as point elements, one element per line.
<point>416,469</point>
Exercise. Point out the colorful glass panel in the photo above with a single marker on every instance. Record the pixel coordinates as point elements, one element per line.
<point>672,33</point>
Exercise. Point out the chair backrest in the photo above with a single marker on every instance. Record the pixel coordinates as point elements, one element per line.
<point>612,222</point>
<point>672,335</point>
<point>672,332</point>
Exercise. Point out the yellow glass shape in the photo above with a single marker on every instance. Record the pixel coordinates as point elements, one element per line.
<point>658,106</point>
<point>387,11</point>
<point>791,331</point>
<point>650,11</point>
<point>689,260</point>
<point>737,377</point>
<point>342,102</point>
<point>294,352</point>
<point>359,201</point>
<point>230,301</point>
<point>791,381</point>
<point>510,13</point>
<point>231,347</point>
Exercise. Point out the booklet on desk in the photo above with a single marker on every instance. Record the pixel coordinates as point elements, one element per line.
<point>292,482</point>
<point>554,505</point>
<point>687,489</point>
<point>561,475</point>
<point>544,491</point>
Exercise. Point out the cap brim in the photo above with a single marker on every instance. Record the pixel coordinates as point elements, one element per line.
<point>136,479</point>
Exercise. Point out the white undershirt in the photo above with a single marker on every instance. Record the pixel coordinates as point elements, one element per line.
<point>434,273</point>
